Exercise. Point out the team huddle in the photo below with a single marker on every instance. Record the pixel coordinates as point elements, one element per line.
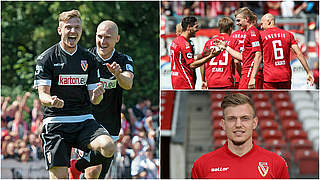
<point>244,59</point>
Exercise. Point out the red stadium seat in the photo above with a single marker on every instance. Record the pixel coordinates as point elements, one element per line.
<point>260,96</point>
<point>291,124</point>
<point>217,115</point>
<point>265,115</point>
<point>218,143</point>
<point>288,114</point>
<point>275,144</point>
<point>308,161</point>
<point>283,105</point>
<point>219,134</point>
<point>262,105</point>
<point>217,95</point>
<point>280,96</point>
<point>300,144</point>
<point>268,124</point>
<point>216,105</point>
<point>295,134</point>
<point>271,134</point>
<point>216,125</point>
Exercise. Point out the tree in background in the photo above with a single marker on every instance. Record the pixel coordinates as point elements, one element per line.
<point>29,28</point>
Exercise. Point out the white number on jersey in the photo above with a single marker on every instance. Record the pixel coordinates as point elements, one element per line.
<point>223,63</point>
<point>278,50</point>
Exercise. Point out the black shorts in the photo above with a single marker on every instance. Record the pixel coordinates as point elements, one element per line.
<point>59,138</point>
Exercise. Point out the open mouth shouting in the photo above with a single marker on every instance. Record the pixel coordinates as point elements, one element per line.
<point>72,39</point>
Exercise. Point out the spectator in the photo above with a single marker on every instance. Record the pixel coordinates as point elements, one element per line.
<point>37,124</point>
<point>167,8</point>
<point>18,125</point>
<point>273,7</point>
<point>123,162</point>
<point>35,150</point>
<point>10,152</point>
<point>150,165</point>
<point>137,171</point>
<point>36,110</point>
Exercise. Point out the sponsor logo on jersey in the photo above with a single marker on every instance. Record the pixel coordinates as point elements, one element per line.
<point>263,168</point>
<point>58,64</point>
<point>189,55</point>
<point>38,69</point>
<point>129,67</point>
<point>108,83</point>
<point>49,157</point>
<point>219,169</point>
<point>255,44</point>
<point>73,79</point>
<point>84,65</point>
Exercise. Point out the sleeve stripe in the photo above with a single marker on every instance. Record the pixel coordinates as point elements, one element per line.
<point>37,83</point>
<point>92,86</point>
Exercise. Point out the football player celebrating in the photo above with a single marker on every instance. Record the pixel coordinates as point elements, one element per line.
<point>276,45</point>
<point>66,78</point>
<point>252,53</point>
<point>219,71</point>
<point>116,75</point>
<point>182,56</point>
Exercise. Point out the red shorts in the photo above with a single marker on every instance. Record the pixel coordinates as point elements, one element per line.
<point>277,85</point>
<point>244,81</point>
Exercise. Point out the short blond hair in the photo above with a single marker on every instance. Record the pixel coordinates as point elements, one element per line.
<point>66,15</point>
<point>246,12</point>
<point>225,24</point>
<point>237,99</point>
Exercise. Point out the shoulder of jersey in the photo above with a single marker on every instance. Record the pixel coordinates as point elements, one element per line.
<point>270,154</point>
<point>47,52</point>
<point>125,56</point>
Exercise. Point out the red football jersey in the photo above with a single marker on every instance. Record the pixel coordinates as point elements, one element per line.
<point>276,45</point>
<point>258,163</point>
<point>252,44</point>
<point>239,36</point>
<point>181,55</point>
<point>219,71</point>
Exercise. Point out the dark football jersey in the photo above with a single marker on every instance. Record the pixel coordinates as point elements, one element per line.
<point>108,112</point>
<point>70,77</point>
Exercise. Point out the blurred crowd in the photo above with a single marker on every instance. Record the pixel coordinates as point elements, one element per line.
<point>137,153</point>
<point>285,8</point>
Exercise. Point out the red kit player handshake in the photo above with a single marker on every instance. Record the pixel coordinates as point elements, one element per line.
<point>182,56</point>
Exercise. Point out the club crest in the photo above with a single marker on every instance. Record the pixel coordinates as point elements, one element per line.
<point>84,65</point>
<point>263,168</point>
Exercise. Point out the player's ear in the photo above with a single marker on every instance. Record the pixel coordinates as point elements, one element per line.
<point>255,122</point>
<point>59,30</point>
<point>118,38</point>
<point>222,124</point>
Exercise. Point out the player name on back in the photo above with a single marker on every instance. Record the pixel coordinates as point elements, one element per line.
<point>73,79</point>
<point>275,35</point>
